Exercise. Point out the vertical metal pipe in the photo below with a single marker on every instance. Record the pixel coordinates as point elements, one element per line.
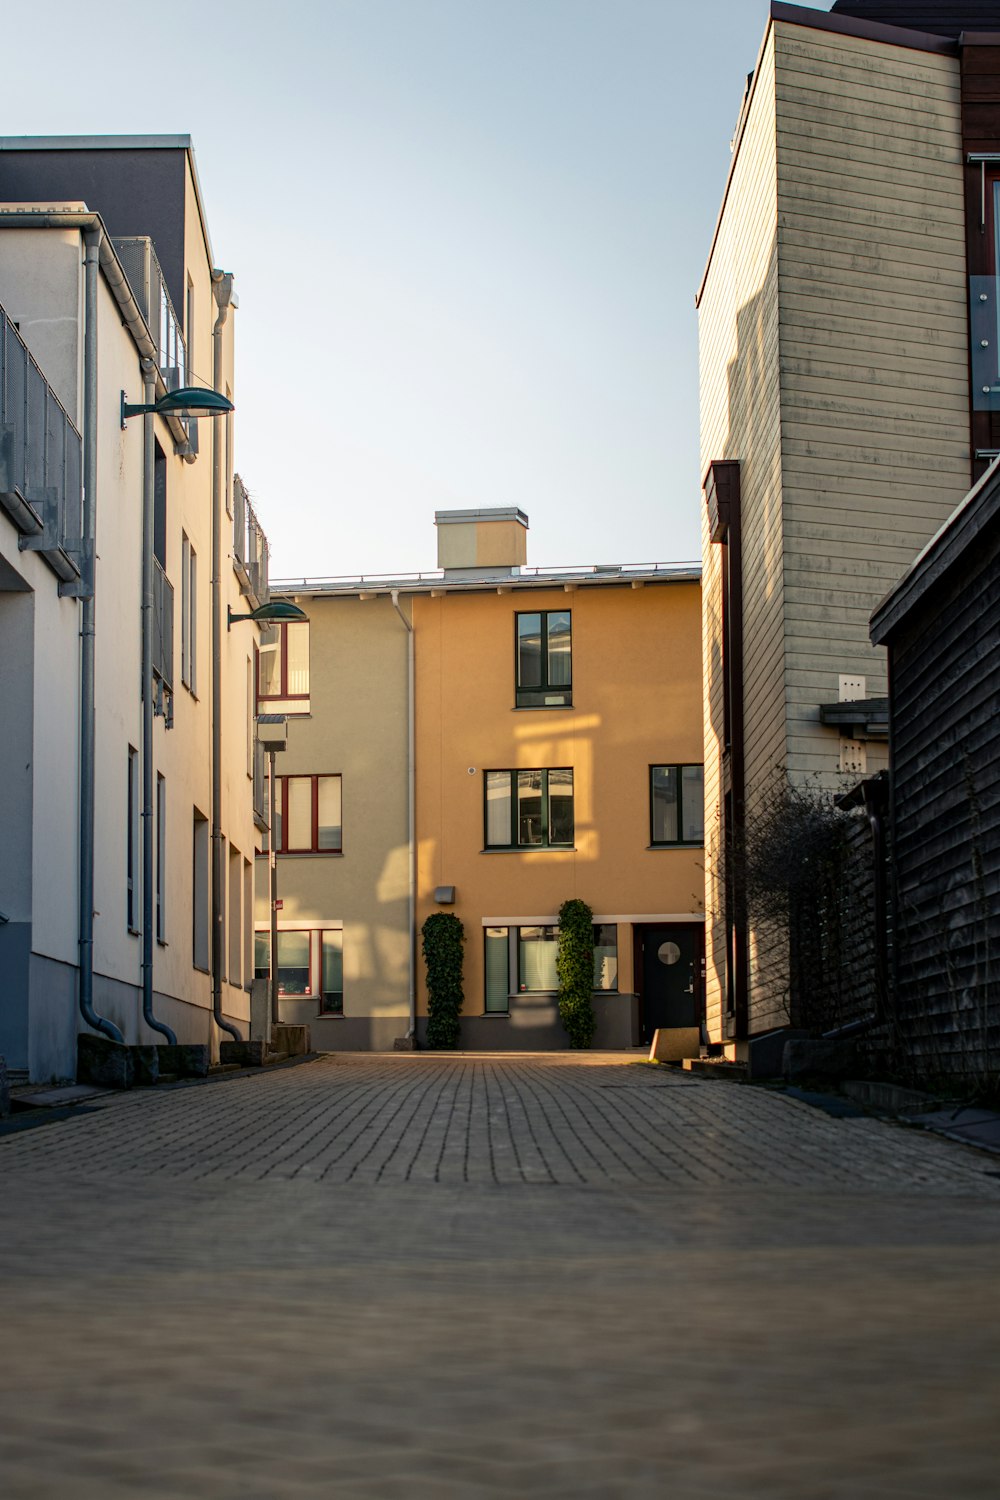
<point>148,524</point>
<point>92,243</point>
<point>411,807</point>
<point>272,890</point>
<point>222,286</point>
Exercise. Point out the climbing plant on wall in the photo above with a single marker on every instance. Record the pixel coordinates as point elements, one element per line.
<point>575,968</point>
<point>443,942</point>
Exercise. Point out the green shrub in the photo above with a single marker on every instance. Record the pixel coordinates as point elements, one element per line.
<point>444,939</point>
<point>575,967</point>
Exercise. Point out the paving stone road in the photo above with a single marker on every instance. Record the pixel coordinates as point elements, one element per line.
<point>426,1276</point>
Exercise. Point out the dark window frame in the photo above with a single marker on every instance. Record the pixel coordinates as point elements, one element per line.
<point>544,688</point>
<point>308,993</point>
<point>679,767</point>
<point>513,772</point>
<point>324,1009</point>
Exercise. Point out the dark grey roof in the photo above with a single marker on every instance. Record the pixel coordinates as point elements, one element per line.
<point>939,17</point>
<point>963,531</point>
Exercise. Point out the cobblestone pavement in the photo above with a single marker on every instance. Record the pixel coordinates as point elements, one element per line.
<point>468,1276</point>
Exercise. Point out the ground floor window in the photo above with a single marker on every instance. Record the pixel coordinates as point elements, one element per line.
<point>310,963</point>
<point>523,960</point>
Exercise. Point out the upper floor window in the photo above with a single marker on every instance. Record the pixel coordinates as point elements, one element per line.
<point>283,671</point>
<point>677,804</point>
<point>544,659</point>
<point>529,809</point>
<point>307,815</point>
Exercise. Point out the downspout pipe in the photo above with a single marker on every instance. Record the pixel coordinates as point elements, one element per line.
<point>91,261</point>
<point>411,831</point>
<point>148,485</point>
<point>222,288</point>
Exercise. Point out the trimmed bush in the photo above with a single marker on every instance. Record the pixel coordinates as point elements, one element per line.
<point>575,967</point>
<point>443,942</point>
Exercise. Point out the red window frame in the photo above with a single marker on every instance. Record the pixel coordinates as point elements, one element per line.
<point>283,696</point>
<point>282,847</point>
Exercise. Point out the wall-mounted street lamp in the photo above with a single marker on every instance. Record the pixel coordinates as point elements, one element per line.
<point>268,614</point>
<point>188,401</point>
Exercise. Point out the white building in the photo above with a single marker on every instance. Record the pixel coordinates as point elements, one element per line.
<point>119,294</point>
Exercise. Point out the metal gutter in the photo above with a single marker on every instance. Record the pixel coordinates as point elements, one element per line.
<point>148,483</point>
<point>222,289</point>
<point>411,807</point>
<point>437,583</point>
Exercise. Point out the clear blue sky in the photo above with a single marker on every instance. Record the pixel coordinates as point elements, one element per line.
<point>466,236</point>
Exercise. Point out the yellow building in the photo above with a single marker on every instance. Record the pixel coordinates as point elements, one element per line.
<point>555,726</point>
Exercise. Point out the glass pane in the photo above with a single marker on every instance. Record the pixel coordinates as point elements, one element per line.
<point>693,804</point>
<point>298,658</point>
<point>560,658</point>
<point>333,971</point>
<point>497,978</point>
<point>329,812</point>
<point>560,807</point>
<point>261,954</point>
<point>293,963</point>
<point>536,961</point>
<point>299,794</point>
<point>529,650</point>
<point>663,790</point>
<point>498,807</point>
<point>605,956</point>
<point>269,670</point>
<point>279,804</point>
<point>529,808</point>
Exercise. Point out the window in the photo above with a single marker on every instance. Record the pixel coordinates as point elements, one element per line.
<point>294,977</point>
<point>536,959</point>
<point>189,615</point>
<point>250,707</point>
<point>533,956</point>
<point>676,805</point>
<point>605,956</point>
<point>161,859</point>
<point>544,659</point>
<point>284,665</point>
<point>199,891</point>
<point>307,815</point>
<point>247,923</point>
<point>159,505</point>
<point>497,965</point>
<point>331,1001</point>
<point>529,809</point>
<point>235,924</point>
<point>132,843</point>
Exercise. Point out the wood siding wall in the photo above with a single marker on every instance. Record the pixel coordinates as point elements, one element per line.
<point>740,419</point>
<point>873,348</point>
<point>946,771</point>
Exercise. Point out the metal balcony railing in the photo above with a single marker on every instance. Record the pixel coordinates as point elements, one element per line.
<point>145,277</point>
<point>250,547</point>
<point>163,626</point>
<point>41,460</point>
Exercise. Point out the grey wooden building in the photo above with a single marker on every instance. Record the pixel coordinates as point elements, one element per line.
<point>941,625</point>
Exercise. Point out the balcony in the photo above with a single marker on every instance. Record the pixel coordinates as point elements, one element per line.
<point>250,549</point>
<point>145,277</point>
<point>163,627</point>
<point>41,464</point>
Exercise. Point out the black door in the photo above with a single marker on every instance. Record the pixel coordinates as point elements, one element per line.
<point>670,978</point>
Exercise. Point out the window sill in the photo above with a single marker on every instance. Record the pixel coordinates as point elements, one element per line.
<point>541,708</point>
<point>133,932</point>
<point>162,943</point>
<point>530,849</point>
<point>308,853</point>
<point>652,848</point>
<point>201,968</point>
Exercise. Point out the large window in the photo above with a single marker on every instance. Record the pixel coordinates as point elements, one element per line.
<point>189,615</point>
<point>676,805</point>
<point>529,809</point>
<point>544,659</point>
<point>283,675</point>
<point>307,815</point>
<point>310,963</point>
<point>132,843</point>
<point>524,958</point>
